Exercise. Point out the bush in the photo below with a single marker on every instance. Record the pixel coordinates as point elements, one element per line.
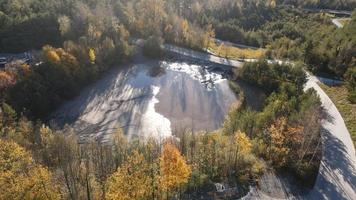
<point>271,76</point>
<point>153,47</point>
<point>350,78</point>
<point>352,96</point>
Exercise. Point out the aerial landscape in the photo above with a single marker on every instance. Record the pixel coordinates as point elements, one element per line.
<point>177,99</point>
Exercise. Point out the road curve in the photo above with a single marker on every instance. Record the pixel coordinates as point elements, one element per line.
<point>337,172</point>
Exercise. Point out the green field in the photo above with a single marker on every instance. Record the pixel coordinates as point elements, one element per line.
<point>338,95</point>
<point>235,52</point>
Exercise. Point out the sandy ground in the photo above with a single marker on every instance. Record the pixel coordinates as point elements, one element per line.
<point>105,106</point>
<point>149,99</point>
<point>190,106</point>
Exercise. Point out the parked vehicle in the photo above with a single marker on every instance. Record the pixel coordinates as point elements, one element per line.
<point>3,61</point>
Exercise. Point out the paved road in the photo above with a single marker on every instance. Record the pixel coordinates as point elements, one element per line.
<point>330,11</point>
<point>337,173</point>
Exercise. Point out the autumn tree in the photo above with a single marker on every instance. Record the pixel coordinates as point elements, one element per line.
<point>6,81</point>
<point>101,162</point>
<point>131,181</point>
<point>277,150</point>
<point>21,178</point>
<point>120,147</point>
<point>150,16</point>
<point>64,23</point>
<point>209,153</point>
<point>271,3</point>
<point>243,145</point>
<point>8,114</point>
<point>92,56</point>
<point>51,55</point>
<point>283,140</point>
<point>23,134</point>
<point>209,36</point>
<point>246,164</point>
<point>174,170</point>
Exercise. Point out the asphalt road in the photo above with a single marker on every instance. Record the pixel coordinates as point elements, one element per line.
<point>337,172</point>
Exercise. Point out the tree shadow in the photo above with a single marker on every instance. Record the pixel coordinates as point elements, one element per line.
<point>109,102</point>
<point>327,117</point>
<point>111,82</point>
<point>119,115</point>
<point>335,161</point>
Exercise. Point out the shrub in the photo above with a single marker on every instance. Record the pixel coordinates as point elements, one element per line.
<point>153,47</point>
<point>352,96</point>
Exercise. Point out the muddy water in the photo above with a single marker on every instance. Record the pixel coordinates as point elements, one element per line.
<point>151,99</point>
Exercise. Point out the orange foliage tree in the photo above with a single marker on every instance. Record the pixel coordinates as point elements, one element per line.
<point>282,139</point>
<point>174,170</point>
<point>6,80</point>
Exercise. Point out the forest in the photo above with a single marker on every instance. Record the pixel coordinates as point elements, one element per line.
<point>85,40</point>
<point>287,33</point>
<point>74,42</point>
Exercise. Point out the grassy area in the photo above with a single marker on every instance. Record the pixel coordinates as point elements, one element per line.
<point>329,15</point>
<point>348,111</point>
<point>235,52</point>
<point>344,21</point>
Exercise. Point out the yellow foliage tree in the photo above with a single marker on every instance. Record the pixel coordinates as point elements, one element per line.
<point>50,54</point>
<point>243,146</point>
<point>246,164</point>
<point>209,36</point>
<point>20,177</point>
<point>92,56</point>
<point>185,30</point>
<point>283,138</point>
<point>26,70</point>
<point>272,3</point>
<point>174,170</point>
<point>278,151</point>
<point>131,181</point>
<point>243,143</point>
<point>62,58</point>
